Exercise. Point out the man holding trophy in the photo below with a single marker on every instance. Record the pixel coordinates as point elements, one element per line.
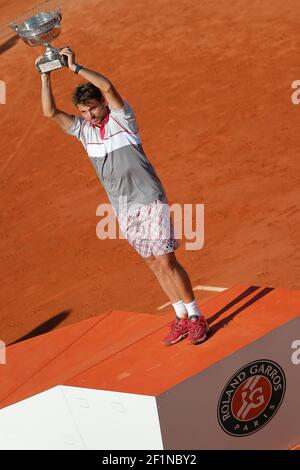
<point>108,130</point>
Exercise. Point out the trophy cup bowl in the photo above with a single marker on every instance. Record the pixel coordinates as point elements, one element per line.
<point>40,30</point>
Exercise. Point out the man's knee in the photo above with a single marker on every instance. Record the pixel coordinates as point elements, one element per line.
<point>151,262</point>
<point>166,263</point>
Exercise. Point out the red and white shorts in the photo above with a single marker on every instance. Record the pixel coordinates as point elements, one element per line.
<point>149,229</point>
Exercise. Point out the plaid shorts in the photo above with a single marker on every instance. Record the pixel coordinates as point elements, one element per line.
<point>149,229</point>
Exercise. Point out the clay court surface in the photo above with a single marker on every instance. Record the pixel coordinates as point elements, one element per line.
<point>211,86</point>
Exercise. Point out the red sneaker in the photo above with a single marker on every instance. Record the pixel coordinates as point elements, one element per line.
<point>198,330</point>
<point>179,330</point>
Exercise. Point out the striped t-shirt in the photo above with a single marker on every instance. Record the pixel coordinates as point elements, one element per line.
<point>116,152</point>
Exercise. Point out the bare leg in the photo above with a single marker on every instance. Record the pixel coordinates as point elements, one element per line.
<point>172,277</point>
<point>167,285</point>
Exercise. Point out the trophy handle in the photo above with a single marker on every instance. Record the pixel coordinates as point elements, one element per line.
<point>59,14</point>
<point>13,26</point>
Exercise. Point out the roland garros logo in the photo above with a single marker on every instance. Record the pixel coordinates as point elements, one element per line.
<point>251,398</point>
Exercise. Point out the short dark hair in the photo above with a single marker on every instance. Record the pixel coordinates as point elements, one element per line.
<point>86,92</point>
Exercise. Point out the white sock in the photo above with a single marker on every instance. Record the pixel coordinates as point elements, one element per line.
<point>193,309</point>
<point>180,309</point>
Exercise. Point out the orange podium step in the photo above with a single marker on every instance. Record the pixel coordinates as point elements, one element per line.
<point>238,390</point>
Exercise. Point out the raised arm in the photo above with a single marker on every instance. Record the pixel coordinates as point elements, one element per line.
<point>110,93</point>
<point>64,120</point>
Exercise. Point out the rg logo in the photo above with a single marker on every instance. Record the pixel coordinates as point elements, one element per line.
<point>251,397</point>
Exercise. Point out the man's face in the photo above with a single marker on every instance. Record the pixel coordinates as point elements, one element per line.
<point>93,111</point>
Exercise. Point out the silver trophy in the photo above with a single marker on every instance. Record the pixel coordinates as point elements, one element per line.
<point>40,30</point>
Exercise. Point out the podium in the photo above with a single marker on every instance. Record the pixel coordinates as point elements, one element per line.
<point>108,382</point>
